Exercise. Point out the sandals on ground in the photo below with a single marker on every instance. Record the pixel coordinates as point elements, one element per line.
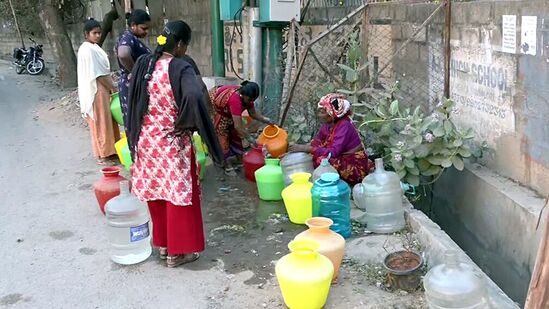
<point>163,253</point>
<point>230,172</point>
<point>176,260</point>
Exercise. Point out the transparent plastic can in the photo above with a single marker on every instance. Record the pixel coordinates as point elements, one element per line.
<point>380,196</point>
<point>324,167</point>
<point>454,285</point>
<point>128,227</point>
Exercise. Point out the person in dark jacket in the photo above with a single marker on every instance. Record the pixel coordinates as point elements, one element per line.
<point>166,105</point>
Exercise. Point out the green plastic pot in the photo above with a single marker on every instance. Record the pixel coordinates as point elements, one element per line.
<point>201,158</point>
<point>270,181</point>
<point>116,109</point>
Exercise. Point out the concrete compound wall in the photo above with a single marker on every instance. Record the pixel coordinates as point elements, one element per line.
<point>502,96</point>
<point>508,107</point>
<point>495,221</point>
<point>490,210</point>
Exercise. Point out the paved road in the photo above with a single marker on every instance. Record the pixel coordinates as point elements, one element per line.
<point>54,248</point>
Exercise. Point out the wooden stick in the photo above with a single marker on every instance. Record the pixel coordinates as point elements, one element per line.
<point>289,60</point>
<point>16,24</point>
<point>292,87</point>
<point>538,292</point>
<point>306,51</point>
<point>338,24</point>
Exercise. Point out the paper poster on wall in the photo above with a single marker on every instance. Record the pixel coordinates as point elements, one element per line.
<point>528,44</point>
<point>509,33</point>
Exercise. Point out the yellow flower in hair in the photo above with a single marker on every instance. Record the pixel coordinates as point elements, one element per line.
<point>161,40</point>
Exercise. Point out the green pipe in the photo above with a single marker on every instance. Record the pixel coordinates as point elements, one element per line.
<point>273,72</point>
<point>218,52</point>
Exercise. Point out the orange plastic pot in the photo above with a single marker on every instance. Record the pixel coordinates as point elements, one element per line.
<point>332,245</point>
<point>276,140</point>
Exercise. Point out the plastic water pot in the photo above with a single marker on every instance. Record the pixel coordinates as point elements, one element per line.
<point>201,158</point>
<point>253,160</point>
<point>276,140</point>
<point>298,199</point>
<point>304,275</point>
<point>123,152</point>
<point>332,199</point>
<point>269,181</point>
<point>116,109</point>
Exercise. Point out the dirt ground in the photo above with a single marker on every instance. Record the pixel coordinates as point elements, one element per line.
<point>54,242</point>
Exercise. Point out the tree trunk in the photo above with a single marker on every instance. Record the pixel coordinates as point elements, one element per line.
<point>108,20</point>
<point>55,30</point>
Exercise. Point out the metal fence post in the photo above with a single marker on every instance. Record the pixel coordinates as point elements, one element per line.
<point>447,48</point>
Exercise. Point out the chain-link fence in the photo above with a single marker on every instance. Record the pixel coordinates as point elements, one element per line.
<point>404,47</point>
<point>316,72</point>
<point>379,49</point>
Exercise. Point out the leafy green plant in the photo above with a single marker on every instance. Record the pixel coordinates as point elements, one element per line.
<point>297,127</point>
<point>416,144</point>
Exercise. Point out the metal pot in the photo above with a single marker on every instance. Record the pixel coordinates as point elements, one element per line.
<point>403,270</point>
<point>296,162</point>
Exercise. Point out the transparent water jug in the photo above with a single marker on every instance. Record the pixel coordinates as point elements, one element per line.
<point>332,199</point>
<point>454,285</point>
<point>380,196</point>
<point>324,167</point>
<point>296,162</point>
<point>128,227</point>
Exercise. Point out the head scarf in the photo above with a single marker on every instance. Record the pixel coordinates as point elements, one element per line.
<point>336,105</point>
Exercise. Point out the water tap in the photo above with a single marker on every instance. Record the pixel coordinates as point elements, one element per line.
<point>408,188</point>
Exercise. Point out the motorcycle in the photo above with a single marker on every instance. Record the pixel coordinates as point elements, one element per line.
<point>29,59</point>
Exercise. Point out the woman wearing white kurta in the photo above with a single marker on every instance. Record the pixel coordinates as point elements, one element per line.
<point>94,88</point>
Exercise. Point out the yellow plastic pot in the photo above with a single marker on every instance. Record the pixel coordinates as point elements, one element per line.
<point>123,152</point>
<point>304,276</point>
<point>298,199</point>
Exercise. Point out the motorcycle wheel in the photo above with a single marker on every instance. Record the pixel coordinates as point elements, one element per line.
<point>35,67</point>
<point>19,69</point>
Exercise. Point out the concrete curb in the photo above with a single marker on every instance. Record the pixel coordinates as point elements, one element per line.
<point>438,242</point>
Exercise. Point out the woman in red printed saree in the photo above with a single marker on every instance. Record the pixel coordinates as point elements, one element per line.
<point>165,106</point>
<point>338,138</point>
<point>229,102</point>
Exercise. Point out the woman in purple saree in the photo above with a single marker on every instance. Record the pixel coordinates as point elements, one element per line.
<point>339,139</point>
